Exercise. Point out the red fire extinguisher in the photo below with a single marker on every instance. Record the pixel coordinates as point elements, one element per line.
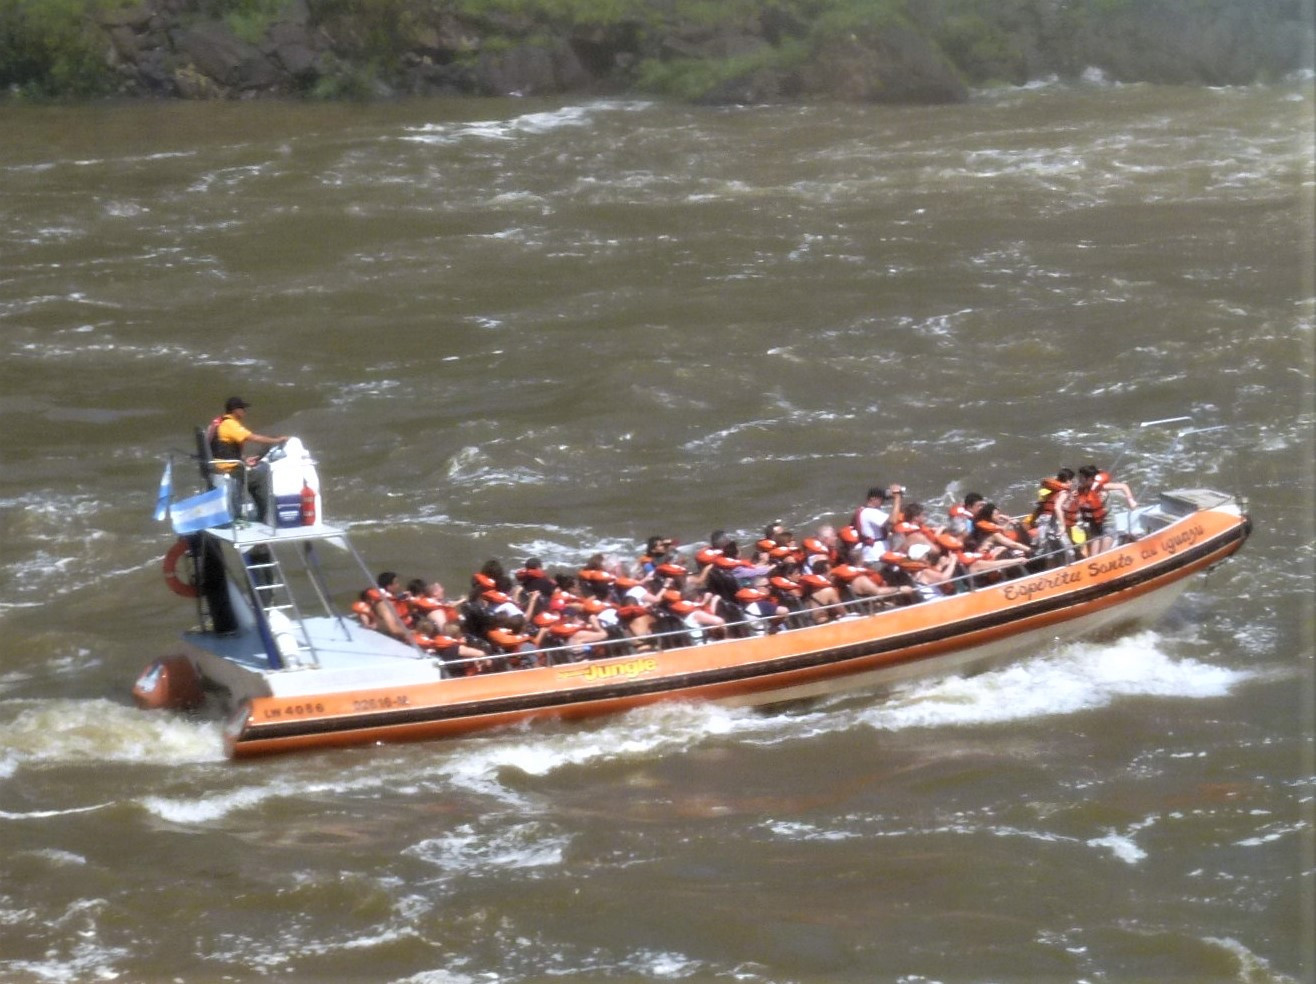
<point>308,504</point>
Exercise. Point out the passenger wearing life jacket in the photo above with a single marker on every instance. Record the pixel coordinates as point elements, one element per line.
<point>656,549</point>
<point>226,438</point>
<point>429,600</point>
<point>1086,512</point>
<point>824,545</point>
<point>387,609</point>
<point>1044,510</point>
<point>872,521</point>
<point>863,585</point>
<point>446,641</point>
<point>782,583</point>
<point>961,515</point>
<point>635,609</point>
<point>912,528</point>
<point>534,588</point>
<point>490,577</point>
<point>364,609</point>
<point>582,629</point>
<point>820,595</point>
<point>514,645</point>
<point>994,534</point>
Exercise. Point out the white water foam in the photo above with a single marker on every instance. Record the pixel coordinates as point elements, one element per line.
<point>476,853</point>
<point>1252,969</point>
<point>1077,677</point>
<point>83,731</point>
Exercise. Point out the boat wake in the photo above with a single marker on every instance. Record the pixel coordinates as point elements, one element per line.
<point>1075,678</point>
<point>76,732</point>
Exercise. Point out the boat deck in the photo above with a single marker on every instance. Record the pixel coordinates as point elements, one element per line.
<point>347,657</point>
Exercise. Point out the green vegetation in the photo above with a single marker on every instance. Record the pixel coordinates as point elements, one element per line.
<point>250,19</point>
<point>982,50</point>
<point>54,48</point>
<point>693,79</point>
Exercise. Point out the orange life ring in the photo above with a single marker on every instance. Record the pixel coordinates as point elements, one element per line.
<point>185,589</point>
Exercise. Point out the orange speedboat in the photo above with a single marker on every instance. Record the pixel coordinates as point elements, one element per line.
<point>291,672</point>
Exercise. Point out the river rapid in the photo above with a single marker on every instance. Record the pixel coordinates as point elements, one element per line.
<point>508,328</point>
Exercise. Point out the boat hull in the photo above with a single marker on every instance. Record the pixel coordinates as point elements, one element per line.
<point>1125,587</point>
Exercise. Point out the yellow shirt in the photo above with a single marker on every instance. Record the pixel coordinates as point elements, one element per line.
<point>230,432</point>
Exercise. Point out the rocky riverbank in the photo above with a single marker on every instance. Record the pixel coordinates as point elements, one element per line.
<point>732,51</point>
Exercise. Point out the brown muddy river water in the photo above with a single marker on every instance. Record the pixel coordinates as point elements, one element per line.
<point>513,328</point>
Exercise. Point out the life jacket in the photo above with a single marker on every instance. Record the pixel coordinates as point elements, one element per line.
<point>221,449</point>
<point>984,528</point>
<point>673,602</point>
<point>437,644</point>
<point>1087,507</point>
<point>904,562</point>
<point>947,542</point>
<point>813,547</point>
<point>424,606</point>
<point>1046,499</point>
<point>814,582</point>
<point>506,638</point>
<point>364,614</point>
<point>845,573</point>
<point>961,511</point>
<point>943,540</point>
<point>706,555</point>
<point>628,613</point>
<point>402,606</point>
<point>533,579</point>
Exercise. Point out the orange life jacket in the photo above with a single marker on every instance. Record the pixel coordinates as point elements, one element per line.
<point>364,614</point>
<point>845,573</point>
<point>1046,499</point>
<point>506,638</point>
<point>814,582</point>
<point>1088,505</point>
<point>903,561</point>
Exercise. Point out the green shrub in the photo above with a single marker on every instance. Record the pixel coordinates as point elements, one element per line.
<point>54,48</point>
<point>692,79</point>
<point>250,19</point>
<point>982,50</point>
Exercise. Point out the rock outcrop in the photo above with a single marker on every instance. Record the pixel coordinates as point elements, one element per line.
<point>863,50</point>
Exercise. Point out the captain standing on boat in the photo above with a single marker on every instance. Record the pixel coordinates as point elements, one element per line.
<point>227,436</point>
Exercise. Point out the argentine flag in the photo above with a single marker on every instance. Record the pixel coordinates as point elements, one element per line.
<point>200,512</point>
<point>166,491</point>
